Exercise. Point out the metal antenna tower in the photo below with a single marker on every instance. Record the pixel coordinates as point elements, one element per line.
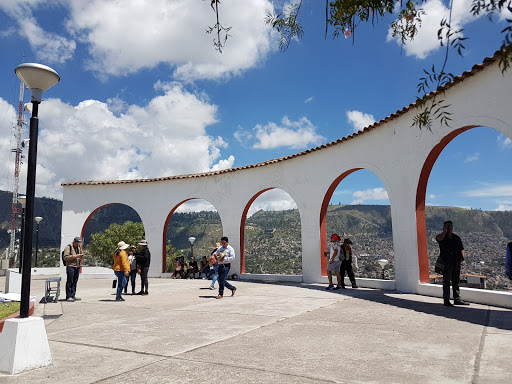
<point>17,161</point>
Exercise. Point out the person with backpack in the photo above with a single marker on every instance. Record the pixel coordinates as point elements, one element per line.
<point>143,262</point>
<point>72,258</point>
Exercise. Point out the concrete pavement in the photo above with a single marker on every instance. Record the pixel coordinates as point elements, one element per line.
<point>268,333</point>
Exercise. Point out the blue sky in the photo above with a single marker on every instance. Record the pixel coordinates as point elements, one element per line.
<point>144,94</point>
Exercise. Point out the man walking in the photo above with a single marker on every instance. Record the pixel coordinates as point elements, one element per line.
<point>452,253</point>
<point>72,259</point>
<point>225,255</point>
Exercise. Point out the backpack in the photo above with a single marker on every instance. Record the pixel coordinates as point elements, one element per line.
<point>62,255</point>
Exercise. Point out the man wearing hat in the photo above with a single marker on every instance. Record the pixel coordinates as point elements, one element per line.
<point>346,264</point>
<point>72,259</point>
<point>143,261</point>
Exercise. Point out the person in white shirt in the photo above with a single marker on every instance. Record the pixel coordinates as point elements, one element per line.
<point>225,255</point>
<point>334,262</point>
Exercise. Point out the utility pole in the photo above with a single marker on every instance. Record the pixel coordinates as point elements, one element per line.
<point>17,162</point>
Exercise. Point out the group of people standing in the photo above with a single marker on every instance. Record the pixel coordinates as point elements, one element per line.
<point>339,262</point>
<point>128,265</point>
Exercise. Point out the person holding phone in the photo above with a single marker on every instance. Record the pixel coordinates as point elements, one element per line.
<point>72,258</point>
<point>452,252</point>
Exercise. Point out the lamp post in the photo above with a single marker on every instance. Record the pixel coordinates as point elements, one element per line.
<point>38,78</point>
<point>382,263</point>
<point>22,199</point>
<point>38,220</point>
<point>191,239</point>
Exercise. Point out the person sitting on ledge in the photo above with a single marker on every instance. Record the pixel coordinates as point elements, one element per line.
<point>192,268</point>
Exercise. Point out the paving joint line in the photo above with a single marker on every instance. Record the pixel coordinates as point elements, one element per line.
<point>478,357</point>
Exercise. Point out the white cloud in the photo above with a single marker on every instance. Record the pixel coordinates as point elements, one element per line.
<point>195,205</point>
<point>431,196</point>
<point>504,207</point>
<point>292,134</point>
<point>426,41</point>
<point>47,46</point>
<point>471,158</point>
<point>243,137</point>
<point>89,142</point>
<point>309,100</point>
<point>272,200</point>
<point>369,194</point>
<point>359,120</point>
<point>123,38</point>
<point>504,142</point>
<point>502,190</point>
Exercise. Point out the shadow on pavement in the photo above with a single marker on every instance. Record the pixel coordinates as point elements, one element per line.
<point>502,318</point>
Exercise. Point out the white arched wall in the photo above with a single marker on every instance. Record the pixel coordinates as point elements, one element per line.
<point>392,149</point>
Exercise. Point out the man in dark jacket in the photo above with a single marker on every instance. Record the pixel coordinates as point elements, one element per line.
<point>143,261</point>
<point>346,263</point>
<point>451,251</point>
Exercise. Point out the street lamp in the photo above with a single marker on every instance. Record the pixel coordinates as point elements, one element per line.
<point>22,199</point>
<point>382,263</point>
<point>38,220</point>
<point>38,78</point>
<point>192,239</point>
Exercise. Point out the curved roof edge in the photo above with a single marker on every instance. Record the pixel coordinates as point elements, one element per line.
<point>476,68</point>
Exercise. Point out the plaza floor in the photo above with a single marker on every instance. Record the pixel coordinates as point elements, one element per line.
<point>268,333</point>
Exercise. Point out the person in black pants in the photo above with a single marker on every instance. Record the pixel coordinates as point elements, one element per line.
<point>346,264</point>
<point>132,258</point>
<point>143,262</point>
<point>452,252</point>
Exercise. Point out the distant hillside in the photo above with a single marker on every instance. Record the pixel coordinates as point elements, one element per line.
<point>49,229</point>
<point>273,239</point>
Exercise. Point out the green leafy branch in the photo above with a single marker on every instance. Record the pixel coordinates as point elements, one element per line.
<point>286,24</point>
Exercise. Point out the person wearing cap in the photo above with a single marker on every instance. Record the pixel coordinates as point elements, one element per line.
<point>225,255</point>
<point>451,251</point>
<point>346,263</point>
<point>334,262</point>
<point>72,258</point>
<point>143,262</point>
<point>121,268</point>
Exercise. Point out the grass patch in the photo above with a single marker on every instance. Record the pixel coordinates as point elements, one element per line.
<point>14,306</point>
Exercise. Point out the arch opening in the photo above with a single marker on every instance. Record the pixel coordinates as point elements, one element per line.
<point>356,206</point>
<point>457,184</point>
<point>104,228</point>
<point>270,234</point>
<point>192,218</point>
